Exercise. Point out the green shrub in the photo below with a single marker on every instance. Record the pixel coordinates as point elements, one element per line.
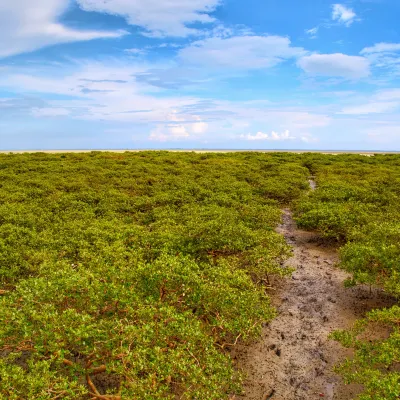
<point>149,265</point>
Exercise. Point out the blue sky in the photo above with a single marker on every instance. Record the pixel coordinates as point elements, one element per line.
<point>260,74</point>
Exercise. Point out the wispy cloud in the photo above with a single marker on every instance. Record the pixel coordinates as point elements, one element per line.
<point>110,93</point>
<point>385,56</point>
<point>274,136</point>
<point>335,65</point>
<point>381,48</point>
<point>135,51</point>
<point>343,14</point>
<point>27,25</point>
<point>247,52</point>
<point>371,108</point>
<point>312,33</point>
<point>174,132</point>
<point>381,102</point>
<point>49,112</point>
<point>157,18</point>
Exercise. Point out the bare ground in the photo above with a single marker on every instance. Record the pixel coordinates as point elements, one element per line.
<point>294,359</point>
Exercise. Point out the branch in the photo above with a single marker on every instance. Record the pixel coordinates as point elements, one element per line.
<point>92,387</point>
<point>105,396</point>
<point>230,344</point>
<point>98,370</point>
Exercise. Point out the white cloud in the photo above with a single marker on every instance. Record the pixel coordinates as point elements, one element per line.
<point>312,32</point>
<point>240,52</point>
<point>135,52</point>
<point>343,14</point>
<point>384,101</point>
<point>307,138</point>
<point>173,132</point>
<point>27,25</point>
<point>381,48</point>
<point>199,127</point>
<point>49,112</point>
<point>107,92</point>
<point>371,108</point>
<point>158,18</point>
<point>336,65</point>
<point>180,126</point>
<point>110,94</point>
<point>169,132</point>
<point>385,56</point>
<point>273,136</point>
<point>164,45</point>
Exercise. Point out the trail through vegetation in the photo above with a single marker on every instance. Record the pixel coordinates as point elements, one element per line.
<point>295,358</point>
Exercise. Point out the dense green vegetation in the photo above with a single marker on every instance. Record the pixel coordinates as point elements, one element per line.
<point>130,275</point>
<point>357,202</point>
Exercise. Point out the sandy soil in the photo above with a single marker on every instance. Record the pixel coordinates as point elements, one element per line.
<point>294,359</point>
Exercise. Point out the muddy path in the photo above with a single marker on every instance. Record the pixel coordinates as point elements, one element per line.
<point>294,359</point>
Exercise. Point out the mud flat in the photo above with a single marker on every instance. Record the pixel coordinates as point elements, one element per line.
<point>294,359</point>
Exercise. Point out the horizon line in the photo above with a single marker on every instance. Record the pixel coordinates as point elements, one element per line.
<point>205,150</point>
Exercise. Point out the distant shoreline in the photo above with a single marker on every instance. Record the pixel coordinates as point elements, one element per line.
<point>332,152</point>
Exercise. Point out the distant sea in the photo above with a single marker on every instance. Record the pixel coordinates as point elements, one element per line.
<point>199,150</point>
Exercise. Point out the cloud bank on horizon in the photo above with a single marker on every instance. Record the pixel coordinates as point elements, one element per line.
<point>199,74</point>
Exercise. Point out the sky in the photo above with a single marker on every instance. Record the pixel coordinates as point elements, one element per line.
<point>217,74</point>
